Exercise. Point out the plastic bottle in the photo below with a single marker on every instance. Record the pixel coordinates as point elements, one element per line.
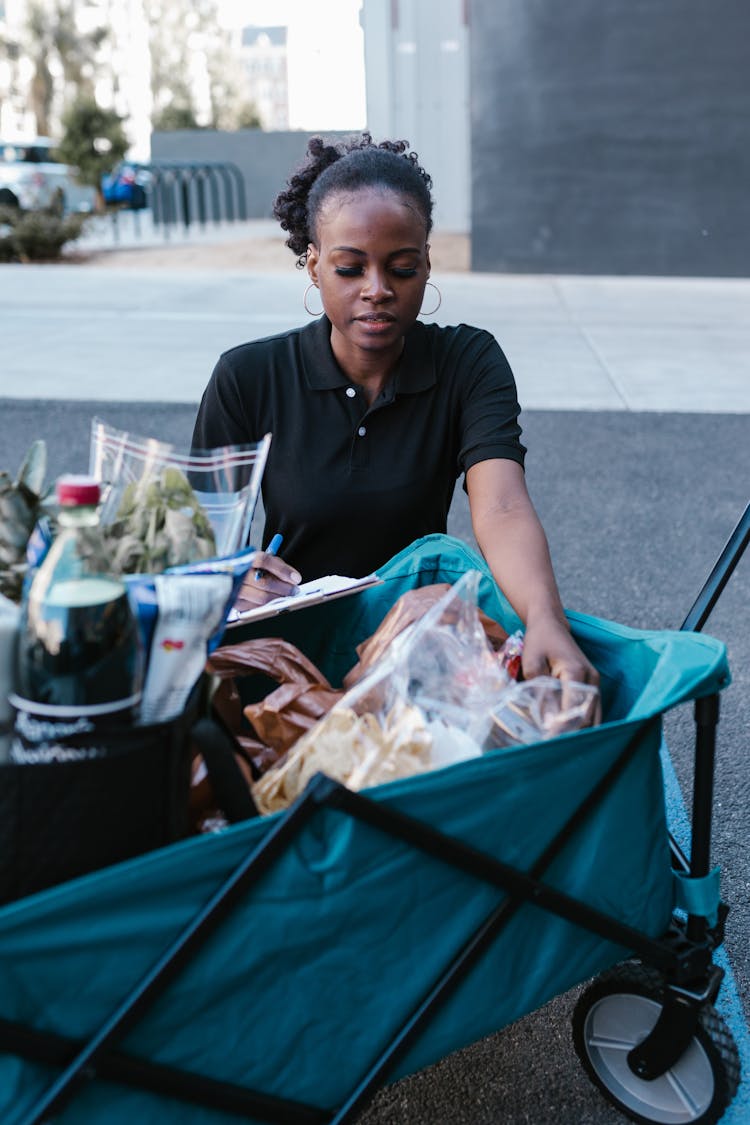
<point>80,659</point>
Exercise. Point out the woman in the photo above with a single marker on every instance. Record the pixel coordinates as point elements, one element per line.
<point>374,415</point>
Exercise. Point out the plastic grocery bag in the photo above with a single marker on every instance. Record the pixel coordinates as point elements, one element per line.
<point>435,696</point>
<point>409,608</point>
<point>541,708</point>
<point>225,482</point>
<point>426,702</point>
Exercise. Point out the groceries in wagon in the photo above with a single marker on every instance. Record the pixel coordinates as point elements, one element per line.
<point>9,618</point>
<point>223,488</point>
<point>302,697</point>
<point>158,525</point>
<point>80,658</point>
<point>21,501</point>
<point>356,749</point>
<point>432,687</point>
<point>118,615</point>
<point>542,708</point>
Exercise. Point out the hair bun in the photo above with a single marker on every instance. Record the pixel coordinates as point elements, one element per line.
<point>389,164</point>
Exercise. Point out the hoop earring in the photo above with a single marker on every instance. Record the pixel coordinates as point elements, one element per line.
<point>439,300</point>
<point>308,310</point>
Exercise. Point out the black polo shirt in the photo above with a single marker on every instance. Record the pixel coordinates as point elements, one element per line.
<point>349,485</point>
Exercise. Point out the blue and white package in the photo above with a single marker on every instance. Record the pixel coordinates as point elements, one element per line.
<point>143,596</point>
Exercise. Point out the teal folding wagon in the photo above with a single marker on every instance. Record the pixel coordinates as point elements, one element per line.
<point>283,970</point>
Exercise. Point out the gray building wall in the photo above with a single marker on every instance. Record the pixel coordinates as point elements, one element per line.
<point>417,75</point>
<point>264,159</point>
<point>611,136</point>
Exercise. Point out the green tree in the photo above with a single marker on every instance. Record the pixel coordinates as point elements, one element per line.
<point>248,116</point>
<point>185,38</point>
<point>93,141</point>
<point>175,116</point>
<point>36,236</point>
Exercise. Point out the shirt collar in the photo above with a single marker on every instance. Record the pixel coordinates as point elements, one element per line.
<point>415,371</point>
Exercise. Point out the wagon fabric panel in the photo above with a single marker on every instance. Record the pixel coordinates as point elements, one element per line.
<point>319,965</point>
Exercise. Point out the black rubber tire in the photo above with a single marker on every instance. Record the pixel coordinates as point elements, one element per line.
<point>634,991</point>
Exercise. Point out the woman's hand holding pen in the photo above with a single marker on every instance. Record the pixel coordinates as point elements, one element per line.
<point>270,577</point>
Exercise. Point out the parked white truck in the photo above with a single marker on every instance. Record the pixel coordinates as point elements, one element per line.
<point>31,178</point>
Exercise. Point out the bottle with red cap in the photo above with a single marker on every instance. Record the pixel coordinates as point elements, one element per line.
<point>79,656</point>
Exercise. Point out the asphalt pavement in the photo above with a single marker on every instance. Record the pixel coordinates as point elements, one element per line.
<point>636,396</point>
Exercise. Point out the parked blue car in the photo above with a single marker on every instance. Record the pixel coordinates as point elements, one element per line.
<point>127,185</point>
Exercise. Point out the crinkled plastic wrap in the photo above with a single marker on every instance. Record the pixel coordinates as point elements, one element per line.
<point>425,703</point>
<point>438,693</point>
<point>409,608</point>
<point>541,708</point>
<point>225,482</point>
<point>144,600</point>
<point>356,749</point>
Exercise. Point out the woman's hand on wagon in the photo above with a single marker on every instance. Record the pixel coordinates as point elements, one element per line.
<point>549,650</point>
<point>268,578</point>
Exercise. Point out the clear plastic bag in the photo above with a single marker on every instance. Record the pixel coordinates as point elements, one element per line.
<point>438,694</point>
<point>445,665</point>
<point>541,708</point>
<point>406,611</point>
<point>225,482</point>
<point>425,703</point>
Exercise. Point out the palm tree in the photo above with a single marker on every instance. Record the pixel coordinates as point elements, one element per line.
<point>42,88</point>
<point>76,50</point>
<point>52,34</point>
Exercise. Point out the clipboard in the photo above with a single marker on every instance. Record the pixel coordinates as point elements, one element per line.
<point>309,593</point>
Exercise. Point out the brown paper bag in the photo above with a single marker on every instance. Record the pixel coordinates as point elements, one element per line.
<point>303,696</point>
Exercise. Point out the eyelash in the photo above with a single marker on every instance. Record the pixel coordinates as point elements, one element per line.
<point>355,271</point>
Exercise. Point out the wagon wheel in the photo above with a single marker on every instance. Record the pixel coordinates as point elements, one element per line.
<point>615,1014</point>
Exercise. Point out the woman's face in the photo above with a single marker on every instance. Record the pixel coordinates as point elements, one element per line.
<point>371,263</point>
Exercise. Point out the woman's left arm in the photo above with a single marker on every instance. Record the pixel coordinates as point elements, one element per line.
<point>512,540</point>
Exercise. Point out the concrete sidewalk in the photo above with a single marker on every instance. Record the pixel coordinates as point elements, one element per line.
<point>575,343</point>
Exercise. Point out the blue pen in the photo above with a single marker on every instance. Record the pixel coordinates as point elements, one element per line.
<point>271,549</point>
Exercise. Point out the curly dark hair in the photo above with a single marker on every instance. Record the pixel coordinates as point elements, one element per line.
<point>342,167</point>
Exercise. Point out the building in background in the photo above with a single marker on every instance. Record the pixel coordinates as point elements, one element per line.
<point>574,138</point>
<point>263,53</point>
<point>611,138</point>
<point>417,76</point>
<point>207,65</point>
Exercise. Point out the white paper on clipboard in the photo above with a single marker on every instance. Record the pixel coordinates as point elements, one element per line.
<point>309,593</point>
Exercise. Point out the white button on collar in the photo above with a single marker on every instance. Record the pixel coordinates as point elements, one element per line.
<point>362,431</point>
<point>350,392</point>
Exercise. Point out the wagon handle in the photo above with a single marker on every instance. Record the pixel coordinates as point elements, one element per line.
<point>719,576</point>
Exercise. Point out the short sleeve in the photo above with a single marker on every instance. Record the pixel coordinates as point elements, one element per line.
<point>221,418</point>
<point>489,405</point>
